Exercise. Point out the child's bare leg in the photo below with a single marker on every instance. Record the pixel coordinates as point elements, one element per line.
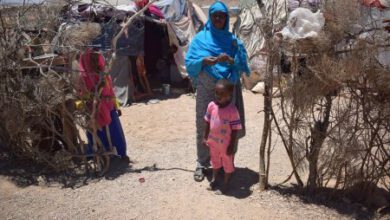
<point>226,180</point>
<point>213,182</point>
<point>215,174</point>
<point>225,186</point>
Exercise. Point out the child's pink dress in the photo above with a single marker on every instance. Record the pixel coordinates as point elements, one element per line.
<point>222,122</point>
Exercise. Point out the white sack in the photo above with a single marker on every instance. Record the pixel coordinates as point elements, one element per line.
<point>302,23</point>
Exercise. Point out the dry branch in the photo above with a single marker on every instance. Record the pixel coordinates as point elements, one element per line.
<point>40,121</point>
<point>334,106</point>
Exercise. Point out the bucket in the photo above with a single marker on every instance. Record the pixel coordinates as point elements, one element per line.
<point>166,89</point>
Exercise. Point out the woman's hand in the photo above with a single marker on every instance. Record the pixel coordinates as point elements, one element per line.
<point>210,61</point>
<point>223,57</point>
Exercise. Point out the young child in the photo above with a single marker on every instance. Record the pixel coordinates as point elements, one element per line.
<point>222,123</point>
<point>107,126</point>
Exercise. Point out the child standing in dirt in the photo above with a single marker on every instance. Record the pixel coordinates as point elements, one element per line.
<point>222,123</point>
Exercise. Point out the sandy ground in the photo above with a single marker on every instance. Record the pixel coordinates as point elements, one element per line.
<point>161,145</point>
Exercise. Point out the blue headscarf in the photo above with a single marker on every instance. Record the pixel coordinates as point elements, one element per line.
<point>212,42</point>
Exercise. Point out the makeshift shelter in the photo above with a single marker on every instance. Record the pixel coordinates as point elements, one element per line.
<point>374,15</point>
<point>250,18</point>
<point>182,19</point>
<point>247,28</point>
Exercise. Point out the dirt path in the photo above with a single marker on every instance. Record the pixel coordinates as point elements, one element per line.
<point>161,139</point>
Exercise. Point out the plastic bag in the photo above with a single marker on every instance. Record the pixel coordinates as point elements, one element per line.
<point>302,23</point>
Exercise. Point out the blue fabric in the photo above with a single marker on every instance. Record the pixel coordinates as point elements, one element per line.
<point>212,42</point>
<point>117,136</point>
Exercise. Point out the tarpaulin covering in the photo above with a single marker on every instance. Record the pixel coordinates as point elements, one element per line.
<point>173,10</point>
<point>182,17</point>
<point>247,27</point>
<point>377,3</point>
<point>309,4</point>
<point>372,19</point>
<point>180,34</point>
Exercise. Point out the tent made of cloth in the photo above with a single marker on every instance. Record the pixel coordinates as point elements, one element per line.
<point>182,20</point>
<point>247,27</point>
<point>377,3</point>
<point>372,19</point>
<point>173,10</point>
<point>105,2</point>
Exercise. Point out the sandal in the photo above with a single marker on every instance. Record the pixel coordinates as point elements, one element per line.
<point>212,186</point>
<point>199,175</point>
<point>222,191</point>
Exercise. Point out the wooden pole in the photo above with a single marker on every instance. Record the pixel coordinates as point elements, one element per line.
<point>266,28</point>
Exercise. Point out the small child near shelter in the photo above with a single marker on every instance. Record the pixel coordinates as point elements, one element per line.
<point>222,124</point>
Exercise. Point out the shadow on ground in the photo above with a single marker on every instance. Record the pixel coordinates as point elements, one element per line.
<point>336,200</point>
<point>158,96</point>
<point>241,182</point>
<point>21,172</point>
<point>25,173</point>
<point>119,167</point>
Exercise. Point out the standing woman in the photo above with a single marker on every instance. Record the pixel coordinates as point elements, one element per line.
<point>214,53</point>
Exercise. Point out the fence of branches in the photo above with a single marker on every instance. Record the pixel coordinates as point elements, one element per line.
<point>332,112</point>
<point>40,120</point>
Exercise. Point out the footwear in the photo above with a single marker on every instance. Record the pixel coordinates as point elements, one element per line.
<point>198,174</point>
<point>222,191</point>
<point>212,186</point>
<point>126,159</point>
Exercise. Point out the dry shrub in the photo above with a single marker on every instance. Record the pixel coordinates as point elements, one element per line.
<point>342,17</point>
<point>81,34</point>
<point>39,119</point>
<point>335,107</point>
